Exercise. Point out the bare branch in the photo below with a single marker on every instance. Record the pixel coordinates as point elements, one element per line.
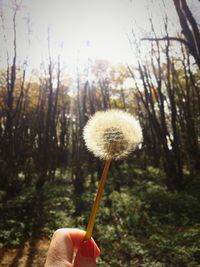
<point>166,39</point>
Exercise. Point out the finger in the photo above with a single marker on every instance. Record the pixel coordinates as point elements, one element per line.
<point>86,254</point>
<point>77,237</point>
<point>60,251</point>
<point>62,246</point>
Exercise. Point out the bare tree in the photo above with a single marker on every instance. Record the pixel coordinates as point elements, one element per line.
<point>190,30</point>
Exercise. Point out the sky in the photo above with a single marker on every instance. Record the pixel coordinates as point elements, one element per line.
<point>82,29</point>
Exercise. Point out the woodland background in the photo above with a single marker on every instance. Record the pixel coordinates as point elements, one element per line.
<point>150,213</point>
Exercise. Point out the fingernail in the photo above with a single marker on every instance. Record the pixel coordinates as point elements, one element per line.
<point>88,249</point>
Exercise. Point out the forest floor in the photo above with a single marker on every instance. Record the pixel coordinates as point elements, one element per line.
<point>31,253</point>
<point>142,224</point>
<point>27,223</point>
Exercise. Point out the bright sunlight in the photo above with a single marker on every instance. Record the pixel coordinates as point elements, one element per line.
<point>79,29</point>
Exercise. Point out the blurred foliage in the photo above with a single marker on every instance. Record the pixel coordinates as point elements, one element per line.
<point>139,225</point>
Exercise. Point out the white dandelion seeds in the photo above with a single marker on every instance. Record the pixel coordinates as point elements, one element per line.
<point>112,134</point>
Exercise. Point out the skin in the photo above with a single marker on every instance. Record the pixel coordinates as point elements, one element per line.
<point>64,243</point>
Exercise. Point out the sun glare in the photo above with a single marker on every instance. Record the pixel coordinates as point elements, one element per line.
<point>95,29</point>
<point>79,29</point>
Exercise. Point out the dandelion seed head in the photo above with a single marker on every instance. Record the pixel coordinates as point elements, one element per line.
<point>112,134</point>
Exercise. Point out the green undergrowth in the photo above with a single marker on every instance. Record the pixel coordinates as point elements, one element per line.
<point>140,223</point>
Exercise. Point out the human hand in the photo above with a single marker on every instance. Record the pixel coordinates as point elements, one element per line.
<point>64,243</point>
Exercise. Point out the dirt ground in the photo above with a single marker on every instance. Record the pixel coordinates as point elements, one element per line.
<point>31,254</point>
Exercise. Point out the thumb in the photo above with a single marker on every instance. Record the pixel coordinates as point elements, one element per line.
<point>86,254</point>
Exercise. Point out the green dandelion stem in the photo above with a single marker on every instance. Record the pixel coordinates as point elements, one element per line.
<point>97,201</point>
